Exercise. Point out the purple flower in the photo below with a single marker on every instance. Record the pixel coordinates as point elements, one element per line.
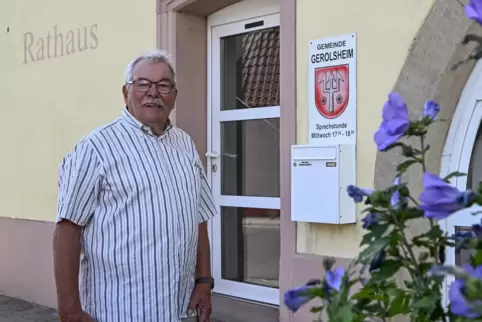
<point>334,278</point>
<point>358,193</point>
<point>460,236</point>
<point>395,122</point>
<point>474,10</point>
<point>431,109</point>
<point>295,298</point>
<point>439,199</point>
<point>371,220</point>
<point>437,270</point>
<point>462,239</point>
<point>395,200</point>
<point>477,229</point>
<point>458,303</point>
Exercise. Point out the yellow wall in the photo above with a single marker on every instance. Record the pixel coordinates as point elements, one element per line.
<point>48,105</point>
<point>385,30</point>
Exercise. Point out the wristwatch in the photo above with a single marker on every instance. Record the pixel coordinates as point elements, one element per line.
<point>205,280</point>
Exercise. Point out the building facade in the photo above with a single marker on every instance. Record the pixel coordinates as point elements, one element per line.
<point>242,74</point>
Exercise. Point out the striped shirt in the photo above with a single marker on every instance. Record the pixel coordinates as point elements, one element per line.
<point>140,199</point>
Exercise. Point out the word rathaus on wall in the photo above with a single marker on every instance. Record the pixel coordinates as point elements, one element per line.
<point>58,43</point>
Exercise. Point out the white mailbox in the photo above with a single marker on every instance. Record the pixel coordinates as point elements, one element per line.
<point>319,177</point>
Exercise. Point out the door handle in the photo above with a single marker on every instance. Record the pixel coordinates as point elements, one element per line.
<point>212,154</point>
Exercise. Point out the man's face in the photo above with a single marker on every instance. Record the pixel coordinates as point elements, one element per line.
<point>150,103</point>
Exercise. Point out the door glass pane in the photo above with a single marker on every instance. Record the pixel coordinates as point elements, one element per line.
<point>462,256</point>
<point>250,70</point>
<point>475,169</point>
<point>250,245</point>
<point>474,176</point>
<point>250,156</point>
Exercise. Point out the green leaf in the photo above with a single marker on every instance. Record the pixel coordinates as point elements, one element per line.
<point>375,247</point>
<point>425,267</point>
<point>379,230</point>
<point>363,293</point>
<point>399,304</point>
<point>431,236</point>
<point>479,188</point>
<point>316,309</point>
<point>394,145</point>
<point>344,314</point>
<point>477,258</point>
<point>403,146</point>
<point>379,199</point>
<point>434,232</point>
<point>402,167</point>
<point>408,151</point>
<point>374,233</point>
<point>427,303</point>
<point>411,213</point>
<point>388,269</point>
<point>475,213</point>
<point>454,174</point>
<point>373,308</point>
<point>314,292</point>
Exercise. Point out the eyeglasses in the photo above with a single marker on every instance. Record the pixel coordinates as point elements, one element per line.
<point>144,85</point>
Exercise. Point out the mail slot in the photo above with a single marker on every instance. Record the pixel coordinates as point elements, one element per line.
<point>319,177</point>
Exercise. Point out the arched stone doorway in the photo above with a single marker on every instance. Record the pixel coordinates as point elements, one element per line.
<point>463,153</point>
<point>427,75</point>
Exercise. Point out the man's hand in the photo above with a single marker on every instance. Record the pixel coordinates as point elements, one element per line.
<point>201,300</point>
<point>76,317</point>
<point>66,250</point>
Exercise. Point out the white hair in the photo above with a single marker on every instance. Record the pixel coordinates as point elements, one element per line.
<point>155,56</point>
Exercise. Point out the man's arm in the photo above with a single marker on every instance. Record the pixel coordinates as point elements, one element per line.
<point>66,267</point>
<point>201,297</point>
<point>203,264</point>
<point>79,183</point>
<point>207,210</point>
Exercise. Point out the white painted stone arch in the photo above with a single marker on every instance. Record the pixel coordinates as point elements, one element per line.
<point>458,149</point>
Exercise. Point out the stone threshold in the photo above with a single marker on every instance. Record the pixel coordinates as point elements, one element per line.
<point>225,309</point>
<point>230,309</point>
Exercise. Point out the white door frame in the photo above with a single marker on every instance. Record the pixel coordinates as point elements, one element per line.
<point>226,22</point>
<point>458,151</point>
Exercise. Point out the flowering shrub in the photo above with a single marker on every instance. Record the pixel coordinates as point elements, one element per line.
<point>368,290</point>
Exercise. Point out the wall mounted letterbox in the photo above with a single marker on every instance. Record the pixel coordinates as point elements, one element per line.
<point>319,178</point>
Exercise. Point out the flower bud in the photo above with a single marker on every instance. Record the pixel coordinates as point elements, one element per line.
<point>328,263</point>
<point>407,151</point>
<point>423,256</point>
<point>313,281</point>
<point>404,192</point>
<point>377,261</point>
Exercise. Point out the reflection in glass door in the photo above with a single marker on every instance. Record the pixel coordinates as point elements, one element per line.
<point>245,172</point>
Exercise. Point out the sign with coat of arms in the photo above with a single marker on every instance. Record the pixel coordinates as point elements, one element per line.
<point>332,90</point>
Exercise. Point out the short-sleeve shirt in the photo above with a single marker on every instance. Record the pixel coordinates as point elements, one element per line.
<point>140,199</point>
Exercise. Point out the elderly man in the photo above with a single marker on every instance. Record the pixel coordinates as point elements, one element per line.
<point>131,240</point>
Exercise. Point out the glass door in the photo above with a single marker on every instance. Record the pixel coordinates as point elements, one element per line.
<point>471,163</point>
<point>245,158</point>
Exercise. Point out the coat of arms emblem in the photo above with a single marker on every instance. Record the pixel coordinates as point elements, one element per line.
<point>331,90</point>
